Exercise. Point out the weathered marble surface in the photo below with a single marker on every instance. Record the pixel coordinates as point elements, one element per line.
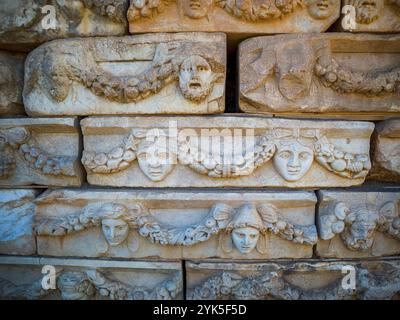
<point>288,280</point>
<point>144,74</point>
<point>76,279</point>
<point>176,224</point>
<point>23,24</point>
<point>11,83</point>
<point>355,224</point>
<point>16,221</point>
<point>321,75</point>
<point>216,151</point>
<point>386,151</point>
<point>370,16</point>
<point>235,17</point>
<point>42,151</point>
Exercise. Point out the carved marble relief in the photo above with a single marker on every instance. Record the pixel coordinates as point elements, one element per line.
<point>309,280</point>
<point>90,280</point>
<point>143,74</point>
<point>11,83</point>
<point>386,151</point>
<point>225,151</point>
<point>330,75</point>
<point>175,225</point>
<point>267,16</point>
<point>16,221</point>
<point>39,152</point>
<point>371,16</point>
<point>26,24</point>
<point>359,224</point>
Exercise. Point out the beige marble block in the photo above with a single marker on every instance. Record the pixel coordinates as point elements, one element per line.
<point>25,24</point>
<point>234,17</point>
<point>43,152</point>
<point>11,83</point>
<point>334,75</point>
<point>370,16</point>
<point>225,151</point>
<point>16,221</point>
<point>356,224</point>
<point>175,224</point>
<point>145,74</point>
<point>77,279</point>
<point>386,151</point>
<point>290,280</point>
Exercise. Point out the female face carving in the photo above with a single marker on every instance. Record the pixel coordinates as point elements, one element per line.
<point>155,162</point>
<point>196,9</point>
<point>115,231</point>
<point>320,9</point>
<point>245,239</point>
<point>195,78</point>
<point>293,160</point>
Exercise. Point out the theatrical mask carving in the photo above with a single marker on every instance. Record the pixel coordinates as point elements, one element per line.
<point>137,75</point>
<point>91,284</point>
<point>248,10</point>
<point>293,153</point>
<point>358,224</point>
<point>244,227</point>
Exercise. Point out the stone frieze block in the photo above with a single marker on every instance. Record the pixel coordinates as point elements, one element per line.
<point>325,75</point>
<point>248,17</point>
<point>370,16</point>
<point>355,224</point>
<point>26,24</point>
<point>11,83</point>
<point>16,221</point>
<point>386,151</point>
<point>143,74</point>
<point>43,151</point>
<point>289,280</point>
<point>175,224</point>
<point>77,279</point>
<point>222,151</point>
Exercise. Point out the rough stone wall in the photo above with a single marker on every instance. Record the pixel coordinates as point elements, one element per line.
<point>257,142</point>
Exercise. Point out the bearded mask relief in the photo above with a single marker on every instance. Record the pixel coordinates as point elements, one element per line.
<point>367,11</point>
<point>320,9</point>
<point>196,9</point>
<point>196,78</point>
<point>293,160</point>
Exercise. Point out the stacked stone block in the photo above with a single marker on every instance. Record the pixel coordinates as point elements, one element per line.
<point>106,179</point>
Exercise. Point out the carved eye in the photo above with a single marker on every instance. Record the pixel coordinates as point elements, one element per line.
<point>304,156</point>
<point>241,235</point>
<point>120,228</point>
<point>163,155</point>
<point>202,68</point>
<point>285,154</point>
<point>253,236</point>
<point>143,156</point>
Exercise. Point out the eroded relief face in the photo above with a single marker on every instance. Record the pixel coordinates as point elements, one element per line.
<point>361,233</point>
<point>320,9</point>
<point>196,9</point>
<point>245,239</point>
<point>115,231</point>
<point>155,162</point>
<point>295,70</point>
<point>368,11</point>
<point>195,78</point>
<point>292,160</point>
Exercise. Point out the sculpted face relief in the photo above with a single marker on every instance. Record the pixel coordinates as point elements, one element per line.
<point>295,70</point>
<point>195,78</point>
<point>196,9</point>
<point>245,239</point>
<point>368,11</point>
<point>320,9</point>
<point>156,162</point>
<point>115,231</point>
<point>293,160</point>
